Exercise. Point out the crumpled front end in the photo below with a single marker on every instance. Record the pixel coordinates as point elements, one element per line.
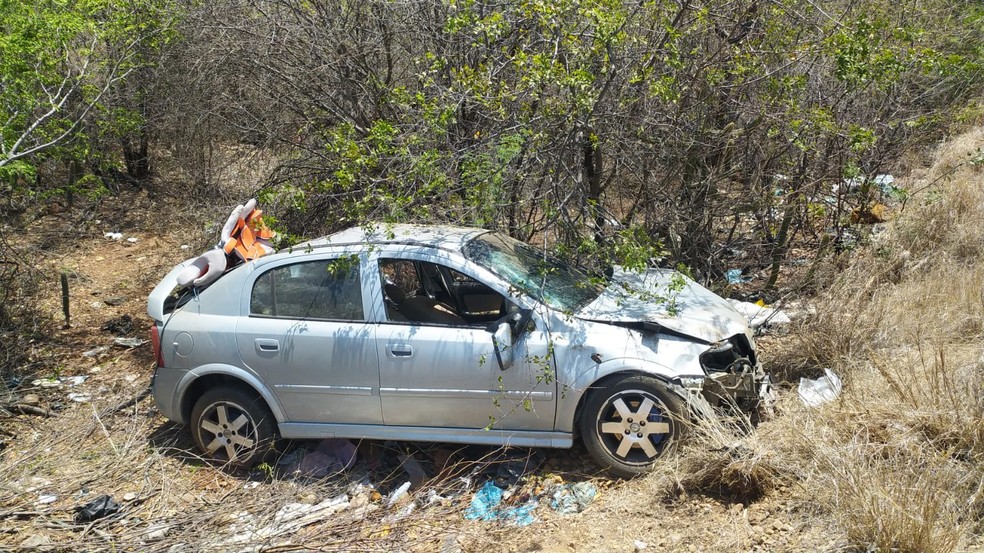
<point>735,378</point>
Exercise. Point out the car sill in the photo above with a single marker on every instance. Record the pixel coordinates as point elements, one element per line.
<point>519,438</point>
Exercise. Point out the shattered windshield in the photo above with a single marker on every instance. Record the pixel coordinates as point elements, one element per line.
<point>549,280</point>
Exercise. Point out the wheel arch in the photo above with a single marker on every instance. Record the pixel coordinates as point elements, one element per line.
<point>205,378</point>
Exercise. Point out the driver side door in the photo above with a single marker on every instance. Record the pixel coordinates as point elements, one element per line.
<point>442,371</point>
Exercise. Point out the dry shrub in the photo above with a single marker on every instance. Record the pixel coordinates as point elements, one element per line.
<point>944,213</point>
<point>940,401</point>
<point>892,503</point>
<point>720,459</point>
<point>919,280</point>
<point>896,459</point>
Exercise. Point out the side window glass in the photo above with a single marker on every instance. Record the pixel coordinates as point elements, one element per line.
<point>422,292</point>
<point>328,290</point>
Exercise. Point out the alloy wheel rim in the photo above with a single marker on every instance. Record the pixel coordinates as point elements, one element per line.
<point>227,431</point>
<point>633,426</point>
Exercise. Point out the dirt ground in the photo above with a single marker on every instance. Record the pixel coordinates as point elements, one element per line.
<point>100,434</point>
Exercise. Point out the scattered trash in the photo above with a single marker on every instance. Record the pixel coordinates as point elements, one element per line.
<point>132,240</point>
<point>79,398</point>
<point>342,450</point>
<point>97,305</point>
<point>98,508</point>
<point>640,545</point>
<point>397,494</point>
<point>414,470</point>
<point>75,380</point>
<point>47,383</point>
<point>573,498</point>
<point>759,315</point>
<point>816,392</point>
<point>96,351</point>
<point>286,521</point>
<point>484,506</point>
<point>129,342</point>
<point>403,513</point>
<point>318,465</point>
<point>113,235</point>
<point>45,499</point>
<point>733,276</point>
<point>332,456</point>
<point>185,247</point>
<point>120,326</point>
<point>156,531</point>
<point>513,465</point>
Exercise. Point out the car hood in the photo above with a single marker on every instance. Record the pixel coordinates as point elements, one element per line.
<point>669,299</point>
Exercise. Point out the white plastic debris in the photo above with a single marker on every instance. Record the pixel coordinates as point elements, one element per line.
<point>185,247</point>
<point>132,240</point>
<point>45,499</point>
<point>129,342</point>
<point>75,380</point>
<point>397,494</point>
<point>759,315</point>
<point>79,398</point>
<point>96,351</point>
<point>816,392</point>
<point>47,382</point>
<point>114,235</point>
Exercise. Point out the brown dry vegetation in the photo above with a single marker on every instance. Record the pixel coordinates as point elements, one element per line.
<point>894,464</point>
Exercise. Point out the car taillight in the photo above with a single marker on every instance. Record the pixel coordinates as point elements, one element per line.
<point>155,341</point>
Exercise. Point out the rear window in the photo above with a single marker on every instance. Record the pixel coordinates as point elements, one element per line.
<point>325,290</point>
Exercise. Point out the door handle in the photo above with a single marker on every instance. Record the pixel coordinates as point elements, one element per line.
<point>401,351</point>
<point>267,345</point>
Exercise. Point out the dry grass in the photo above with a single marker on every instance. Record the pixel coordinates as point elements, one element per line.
<point>176,502</point>
<point>895,461</point>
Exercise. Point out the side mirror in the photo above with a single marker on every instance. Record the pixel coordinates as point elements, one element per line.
<point>520,321</point>
<point>502,341</point>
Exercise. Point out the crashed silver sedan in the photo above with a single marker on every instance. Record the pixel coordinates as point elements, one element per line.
<point>445,334</point>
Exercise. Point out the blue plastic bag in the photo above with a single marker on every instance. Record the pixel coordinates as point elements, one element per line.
<point>484,506</point>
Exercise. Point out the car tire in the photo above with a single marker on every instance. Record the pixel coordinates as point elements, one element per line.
<point>233,426</point>
<point>630,422</point>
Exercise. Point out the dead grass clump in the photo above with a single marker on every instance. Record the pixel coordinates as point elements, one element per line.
<point>718,462</point>
<point>936,396</point>
<point>944,213</point>
<point>839,330</point>
<point>894,504</point>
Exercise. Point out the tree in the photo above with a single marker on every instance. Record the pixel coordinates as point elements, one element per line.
<point>59,63</point>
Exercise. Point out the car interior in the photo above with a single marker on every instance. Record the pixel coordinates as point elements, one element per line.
<point>418,291</point>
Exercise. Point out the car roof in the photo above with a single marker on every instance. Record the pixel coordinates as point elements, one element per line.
<point>446,237</point>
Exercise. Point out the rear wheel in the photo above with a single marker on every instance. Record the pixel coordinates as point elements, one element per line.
<point>234,426</point>
<point>629,423</point>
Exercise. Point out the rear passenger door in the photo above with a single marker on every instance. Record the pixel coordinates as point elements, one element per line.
<point>306,334</point>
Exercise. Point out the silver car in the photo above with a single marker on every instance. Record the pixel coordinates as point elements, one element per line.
<point>445,334</point>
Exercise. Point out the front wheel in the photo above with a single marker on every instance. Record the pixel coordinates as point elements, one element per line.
<point>628,423</point>
<point>231,425</point>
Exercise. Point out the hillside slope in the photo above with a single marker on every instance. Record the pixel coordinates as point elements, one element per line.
<point>894,464</point>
